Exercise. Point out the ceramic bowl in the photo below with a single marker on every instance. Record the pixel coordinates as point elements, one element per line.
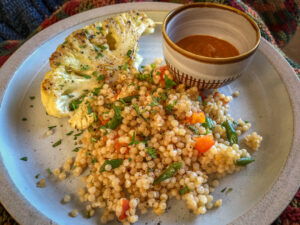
<point>215,20</point>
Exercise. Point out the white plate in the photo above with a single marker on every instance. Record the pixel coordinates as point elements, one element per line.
<point>269,98</point>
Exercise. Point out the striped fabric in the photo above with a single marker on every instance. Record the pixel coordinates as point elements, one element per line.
<point>19,19</point>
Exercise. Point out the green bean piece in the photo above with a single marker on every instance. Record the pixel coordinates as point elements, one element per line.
<point>209,124</point>
<point>230,131</point>
<point>169,172</point>
<point>244,161</point>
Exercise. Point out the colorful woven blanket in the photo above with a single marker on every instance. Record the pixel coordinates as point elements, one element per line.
<point>19,20</point>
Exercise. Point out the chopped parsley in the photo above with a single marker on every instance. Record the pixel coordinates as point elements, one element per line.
<point>193,129</point>
<point>32,97</point>
<point>24,158</point>
<point>94,140</point>
<point>85,67</point>
<point>102,47</point>
<point>169,108</point>
<point>95,73</point>
<point>116,120</point>
<point>99,55</point>
<point>129,52</point>
<point>37,176</point>
<point>87,76</point>
<point>224,189</point>
<point>184,190</point>
<point>137,109</point>
<point>70,133</point>
<point>89,109</point>
<point>76,149</point>
<point>49,171</point>
<point>155,101</point>
<point>75,103</point>
<point>56,143</point>
<point>52,127</point>
<point>169,83</point>
<point>96,91</point>
<point>94,160</point>
<point>24,118</point>
<point>151,152</point>
<point>100,78</point>
<point>133,141</point>
<point>57,64</point>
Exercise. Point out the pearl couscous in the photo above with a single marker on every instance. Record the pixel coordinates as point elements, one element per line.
<point>153,139</point>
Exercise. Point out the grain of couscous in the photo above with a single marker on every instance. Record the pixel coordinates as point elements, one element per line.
<point>153,139</point>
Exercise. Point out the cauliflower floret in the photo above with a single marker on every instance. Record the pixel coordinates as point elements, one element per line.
<point>87,56</point>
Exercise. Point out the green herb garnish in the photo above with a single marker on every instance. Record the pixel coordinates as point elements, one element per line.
<point>100,78</point>
<point>169,108</point>
<point>49,171</point>
<point>193,129</point>
<point>133,141</point>
<point>169,83</point>
<point>163,95</point>
<point>95,117</point>
<point>24,118</point>
<point>230,132</point>
<point>229,190</point>
<point>57,64</point>
<point>24,158</point>
<point>75,103</point>
<point>85,67</point>
<point>169,172</point>
<point>94,160</point>
<point>151,152</point>
<point>71,132</point>
<point>89,109</point>
<point>116,120</point>
<point>99,55</point>
<point>32,97</point>
<point>102,47</point>
<point>244,161</point>
<point>129,52</point>
<point>94,140</point>
<point>184,190</point>
<point>37,176</point>
<point>224,189</point>
<point>76,149</point>
<point>155,101</point>
<point>56,143</point>
<point>209,124</point>
<point>96,91</point>
<point>128,99</point>
<point>87,76</point>
<point>115,163</point>
<point>52,127</point>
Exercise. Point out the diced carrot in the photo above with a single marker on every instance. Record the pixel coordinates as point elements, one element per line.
<point>162,72</point>
<point>197,117</point>
<point>117,95</point>
<point>125,208</point>
<point>204,143</point>
<point>119,145</point>
<point>102,121</point>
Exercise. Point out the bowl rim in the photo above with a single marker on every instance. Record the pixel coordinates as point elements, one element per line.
<point>206,59</point>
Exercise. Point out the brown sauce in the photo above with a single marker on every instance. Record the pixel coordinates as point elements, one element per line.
<point>208,46</point>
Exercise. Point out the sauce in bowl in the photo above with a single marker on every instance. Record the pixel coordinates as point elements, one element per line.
<point>208,46</point>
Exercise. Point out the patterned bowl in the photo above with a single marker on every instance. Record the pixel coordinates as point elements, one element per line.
<point>216,20</point>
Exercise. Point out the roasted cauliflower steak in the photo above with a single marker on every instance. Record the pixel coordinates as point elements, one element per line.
<point>87,56</point>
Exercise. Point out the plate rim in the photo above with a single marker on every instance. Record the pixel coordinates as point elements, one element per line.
<point>264,211</point>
